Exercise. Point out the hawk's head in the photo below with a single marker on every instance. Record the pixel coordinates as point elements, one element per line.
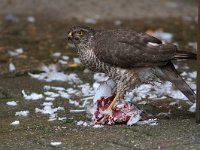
<point>79,34</point>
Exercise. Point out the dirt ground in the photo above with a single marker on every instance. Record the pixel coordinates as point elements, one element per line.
<point>48,35</point>
<point>34,132</point>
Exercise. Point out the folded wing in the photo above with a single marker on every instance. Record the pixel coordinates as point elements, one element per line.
<point>127,49</point>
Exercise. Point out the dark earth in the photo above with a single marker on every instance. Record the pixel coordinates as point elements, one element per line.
<point>46,35</point>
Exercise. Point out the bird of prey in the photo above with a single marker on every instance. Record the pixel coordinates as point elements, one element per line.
<point>129,58</point>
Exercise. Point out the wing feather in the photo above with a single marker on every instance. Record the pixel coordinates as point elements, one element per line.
<point>126,49</point>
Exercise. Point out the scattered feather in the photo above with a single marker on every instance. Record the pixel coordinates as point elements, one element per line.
<point>47,87</point>
<point>76,111</point>
<point>56,54</point>
<point>47,109</point>
<point>17,51</point>
<point>51,94</point>
<point>22,113</point>
<point>11,67</point>
<point>62,118</point>
<point>15,123</point>
<point>65,58</point>
<point>55,143</point>
<point>64,94</point>
<point>152,122</point>
<point>77,60</point>
<point>193,74</point>
<point>80,122</point>
<point>32,96</point>
<point>63,62</point>
<point>52,74</point>
<point>193,108</point>
<point>49,99</point>
<point>11,103</point>
<point>98,126</point>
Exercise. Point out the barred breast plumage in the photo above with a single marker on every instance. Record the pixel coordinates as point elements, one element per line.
<point>125,78</point>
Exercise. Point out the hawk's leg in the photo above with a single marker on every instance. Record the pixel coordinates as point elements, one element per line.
<point>124,85</point>
<point>113,102</point>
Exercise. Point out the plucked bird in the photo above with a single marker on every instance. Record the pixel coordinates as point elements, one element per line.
<point>129,58</point>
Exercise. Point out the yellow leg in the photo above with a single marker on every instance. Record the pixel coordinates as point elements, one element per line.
<point>113,102</point>
<point>110,107</point>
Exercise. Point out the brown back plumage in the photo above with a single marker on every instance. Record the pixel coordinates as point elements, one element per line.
<point>126,49</point>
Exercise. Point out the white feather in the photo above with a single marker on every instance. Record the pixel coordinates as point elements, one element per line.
<point>152,44</point>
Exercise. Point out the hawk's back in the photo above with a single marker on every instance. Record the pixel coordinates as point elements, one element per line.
<point>128,49</point>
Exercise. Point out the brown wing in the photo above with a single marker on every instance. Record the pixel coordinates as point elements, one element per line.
<point>127,49</point>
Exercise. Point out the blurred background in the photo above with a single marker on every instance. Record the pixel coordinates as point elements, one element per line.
<point>112,9</point>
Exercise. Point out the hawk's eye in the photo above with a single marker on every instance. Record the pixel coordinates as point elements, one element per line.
<point>80,33</point>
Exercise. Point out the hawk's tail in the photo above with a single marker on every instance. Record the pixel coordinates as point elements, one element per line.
<point>184,55</point>
<point>173,76</point>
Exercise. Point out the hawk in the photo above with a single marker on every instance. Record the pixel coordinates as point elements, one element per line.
<point>129,58</point>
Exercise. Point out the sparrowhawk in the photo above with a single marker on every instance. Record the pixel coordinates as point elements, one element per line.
<point>129,58</point>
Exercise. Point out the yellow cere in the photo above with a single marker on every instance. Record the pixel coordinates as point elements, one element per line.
<point>70,34</point>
